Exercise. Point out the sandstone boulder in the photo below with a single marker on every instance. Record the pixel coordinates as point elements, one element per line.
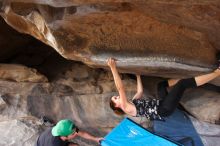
<point>3,104</point>
<point>18,133</point>
<point>20,73</point>
<point>209,133</point>
<point>181,41</point>
<point>203,104</point>
<point>84,97</point>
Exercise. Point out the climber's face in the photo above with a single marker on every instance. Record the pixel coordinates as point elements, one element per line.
<point>116,100</point>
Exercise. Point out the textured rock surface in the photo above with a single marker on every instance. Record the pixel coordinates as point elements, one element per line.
<point>2,103</point>
<point>209,133</point>
<point>76,92</point>
<point>203,104</point>
<point>180,41</point>
<point>18,133</point>
<point>158,38</point>
<point>20,73</point>
<point>67,97</point>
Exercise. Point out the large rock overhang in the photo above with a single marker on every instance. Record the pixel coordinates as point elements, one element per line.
<point>168,39</point>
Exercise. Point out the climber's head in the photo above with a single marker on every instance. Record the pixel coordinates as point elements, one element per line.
<point>116,105</point>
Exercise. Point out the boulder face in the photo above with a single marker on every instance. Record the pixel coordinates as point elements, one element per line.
<point>11,41</point>
<point>26,136</point>
<point>203,104</point>
<point>76,92</point>
<point>154,38</point>
<point>20,73</point>
<point>82,94</point>
<point>47,46</point>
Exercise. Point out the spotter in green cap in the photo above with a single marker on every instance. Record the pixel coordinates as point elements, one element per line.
<point>63,128</point>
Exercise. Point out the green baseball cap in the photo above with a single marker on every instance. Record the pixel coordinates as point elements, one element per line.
<point>63,128</point>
